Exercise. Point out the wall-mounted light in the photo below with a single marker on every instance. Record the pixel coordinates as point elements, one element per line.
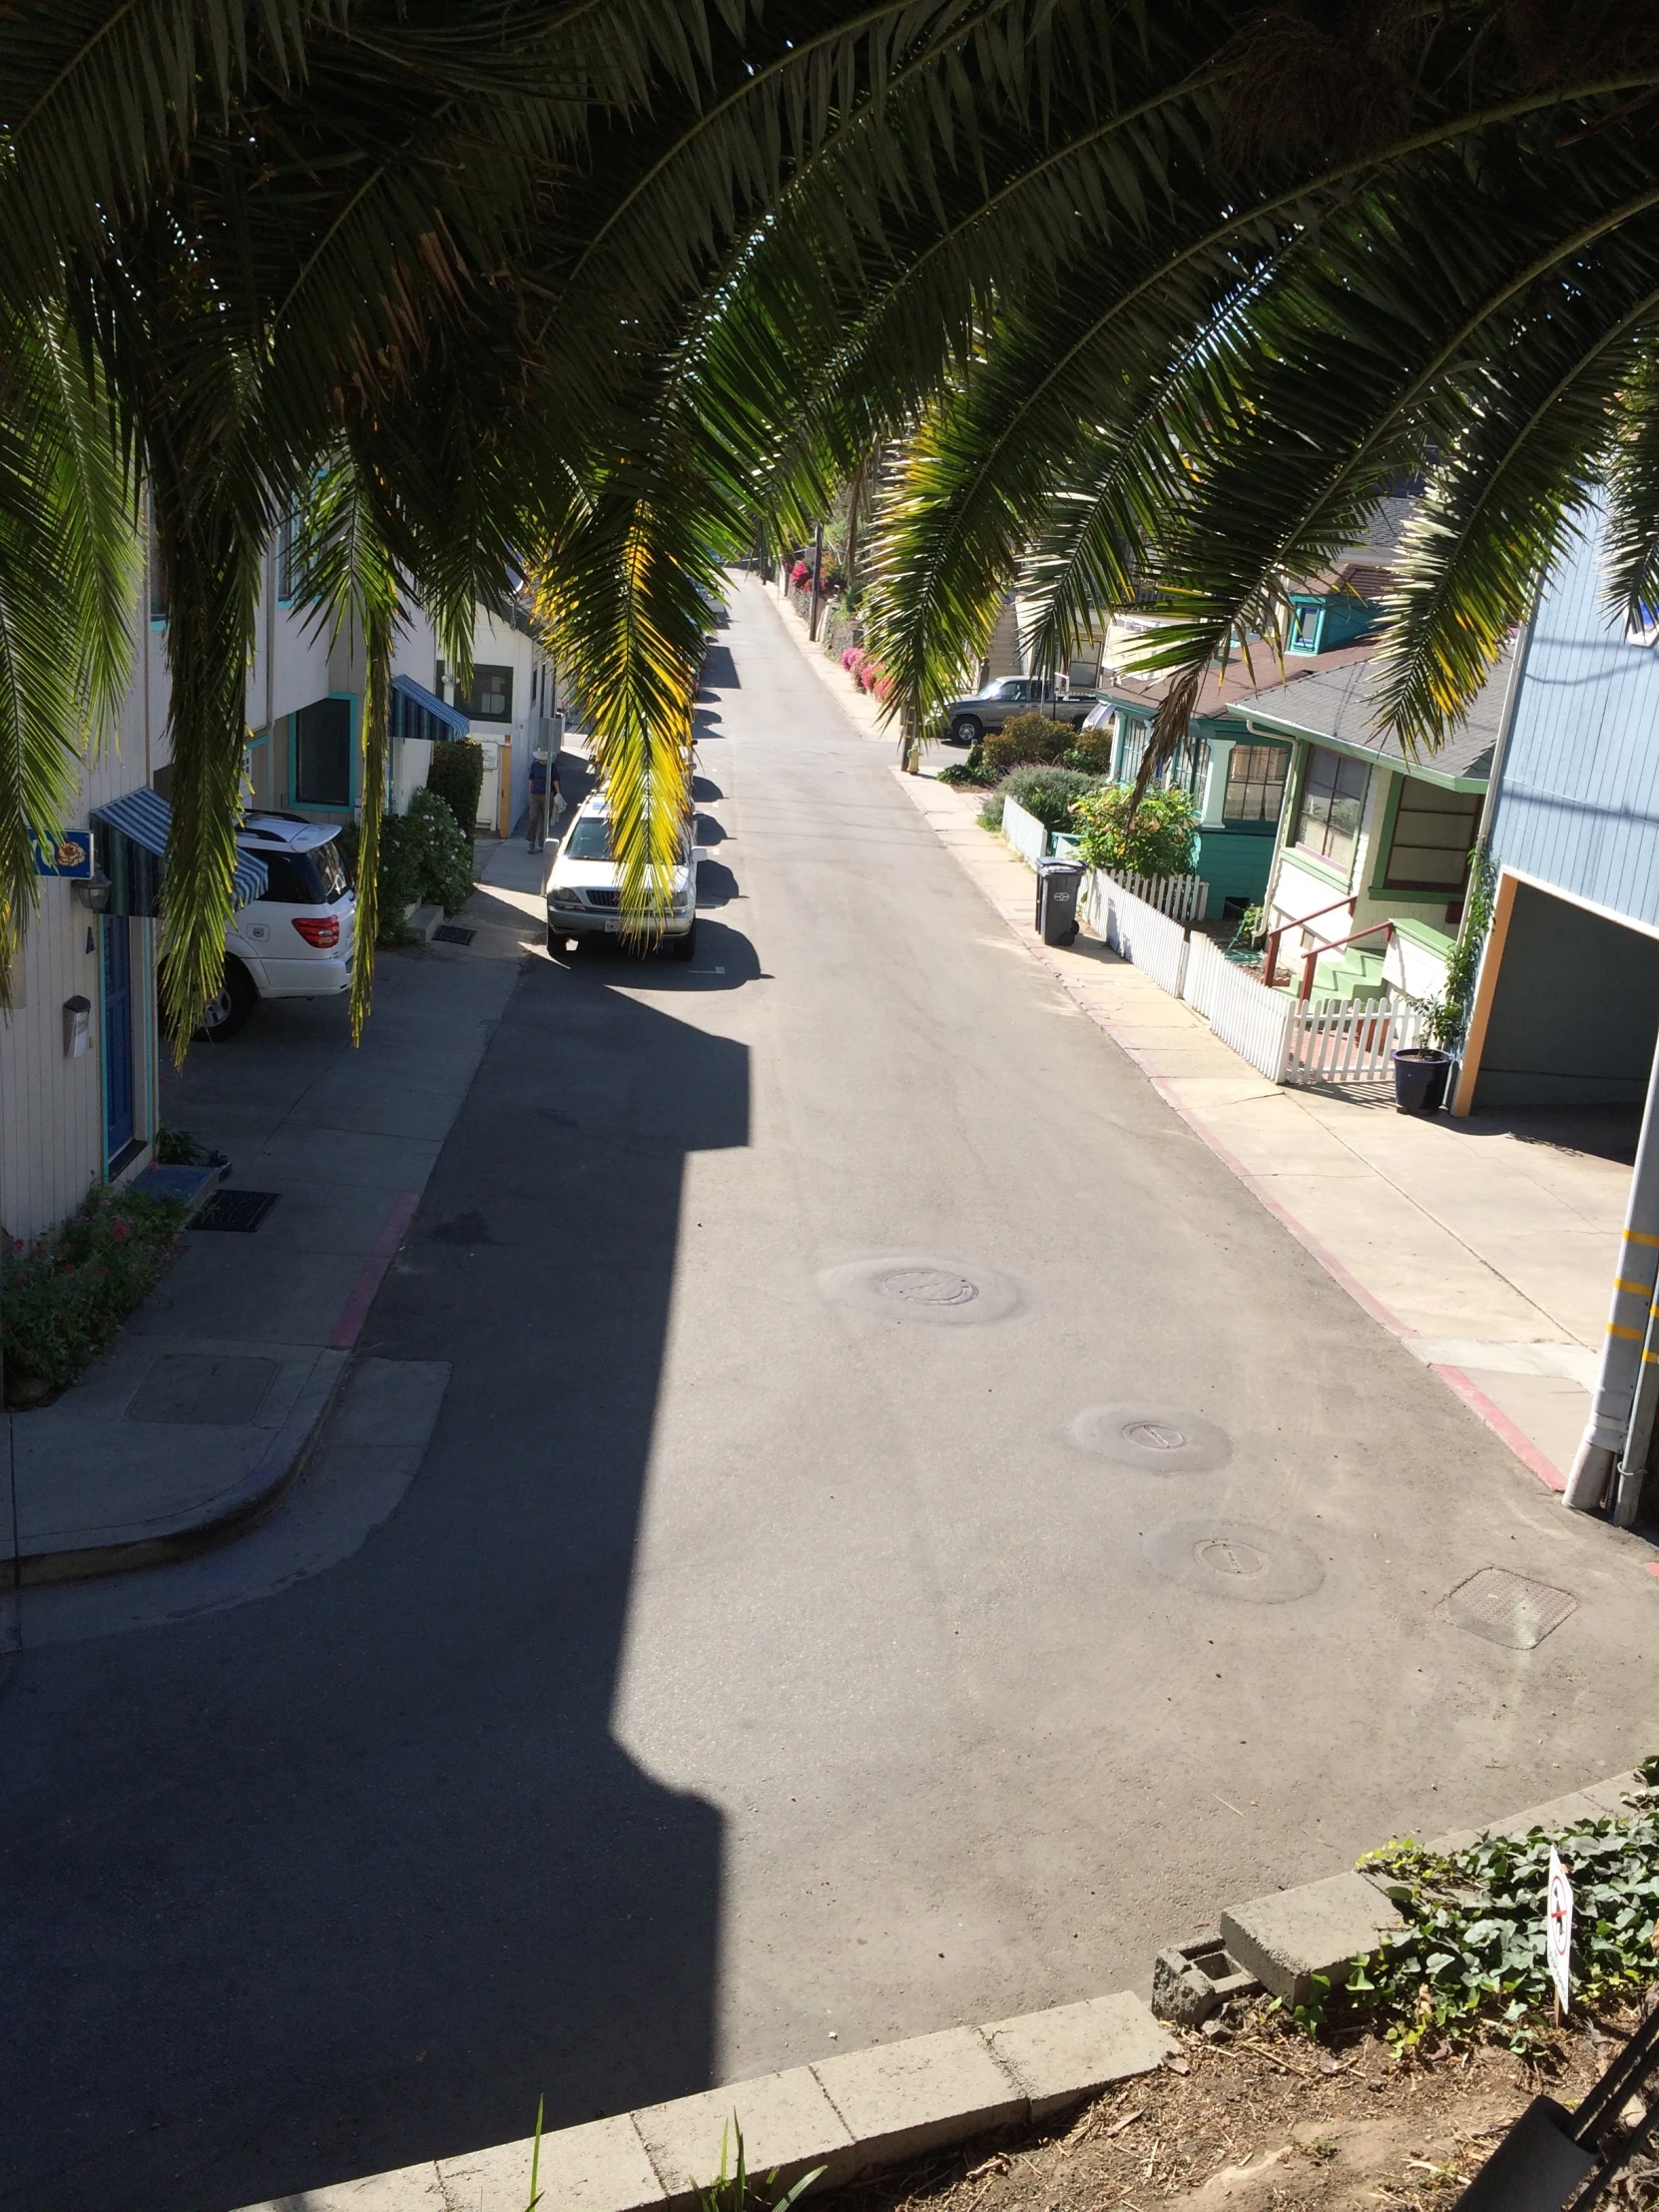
<point>94,892</point>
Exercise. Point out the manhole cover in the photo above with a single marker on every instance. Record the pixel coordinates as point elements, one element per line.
<point>1234,1559</point>
<point>241,1211</point>
<point>449,933</point>
<point>1508,1609</point>
<point>909,1287</point>
<point>1162,1439</point>
<point>202,1392</point>
<point>929,1287</point>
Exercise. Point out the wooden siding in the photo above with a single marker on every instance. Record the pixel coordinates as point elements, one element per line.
<point>1579,800</point>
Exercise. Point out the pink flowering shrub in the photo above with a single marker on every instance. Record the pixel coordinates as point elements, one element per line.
<point>63,1295</point>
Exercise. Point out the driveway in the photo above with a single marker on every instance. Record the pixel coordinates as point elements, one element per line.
<point>801,1630</point>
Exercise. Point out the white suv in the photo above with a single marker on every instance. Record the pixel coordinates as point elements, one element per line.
<point>584,888</point>
<point>294,942</point>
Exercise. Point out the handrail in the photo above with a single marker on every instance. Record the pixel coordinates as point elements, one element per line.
<point>1271,962</point>
<point>1310,960</point>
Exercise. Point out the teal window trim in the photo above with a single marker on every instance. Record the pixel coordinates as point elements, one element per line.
<point>315,806</point>
<point>1300,609</point>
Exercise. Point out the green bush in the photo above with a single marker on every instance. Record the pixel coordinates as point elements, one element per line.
<point>1048,792</point>
<point>458,776</point>
<point>1160,841</point>
<point>423,856</point>
<point>1023,739</point>
<point>63,1296</point>
<point>1091,751</point>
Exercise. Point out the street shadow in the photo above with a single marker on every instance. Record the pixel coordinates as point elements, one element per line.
<point>704,788</point>
<point>720,670</point>
<point>1602,1132</point>
<point>716,885</point>
<point>344,1879</point>
<point>708,831</point>
<point>725,959</point>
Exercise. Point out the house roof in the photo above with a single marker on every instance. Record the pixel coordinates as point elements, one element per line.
<point>1338,706</point>
<point>1224,689</point>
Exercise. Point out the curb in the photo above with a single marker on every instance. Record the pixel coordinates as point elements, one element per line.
<point>1290,1936</point>
<point>848,2114</point>
<point>278,1470</point>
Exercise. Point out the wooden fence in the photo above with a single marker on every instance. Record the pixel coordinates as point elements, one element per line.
<point>1332,1040</point>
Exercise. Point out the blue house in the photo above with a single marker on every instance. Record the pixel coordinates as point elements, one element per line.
<point>1566,1008</point>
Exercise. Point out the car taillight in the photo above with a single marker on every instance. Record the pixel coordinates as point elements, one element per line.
<point>323,930</point>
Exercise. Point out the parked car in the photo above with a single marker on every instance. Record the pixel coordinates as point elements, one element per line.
<point>295,940</point>
<point>584,888</point>
<point>969,718</point>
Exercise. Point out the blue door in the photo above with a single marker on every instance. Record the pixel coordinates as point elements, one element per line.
<point>118,1033</point>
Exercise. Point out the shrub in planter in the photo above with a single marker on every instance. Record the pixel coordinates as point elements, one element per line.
<point>1159,841</point>
<point>63,1296</point>
<point>457,775</point>
<point>1048,792</point>
<point>1026,738</point>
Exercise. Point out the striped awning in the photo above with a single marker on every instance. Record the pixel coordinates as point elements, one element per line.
<point>430,704</point>
<point>144,819</point>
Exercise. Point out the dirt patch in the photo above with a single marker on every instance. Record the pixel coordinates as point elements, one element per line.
<point>1261,2118</point>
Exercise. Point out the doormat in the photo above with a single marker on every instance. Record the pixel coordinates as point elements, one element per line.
<point>450,935</point>
<point>237,1210</point>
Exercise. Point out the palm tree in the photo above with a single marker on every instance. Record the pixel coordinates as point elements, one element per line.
<point>1160,294</point>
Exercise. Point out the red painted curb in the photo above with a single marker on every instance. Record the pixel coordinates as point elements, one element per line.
<point>355,1311</point>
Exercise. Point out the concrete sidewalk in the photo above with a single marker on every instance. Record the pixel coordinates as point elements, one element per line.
<point>204,1409</point>
<point>1489,1256</point>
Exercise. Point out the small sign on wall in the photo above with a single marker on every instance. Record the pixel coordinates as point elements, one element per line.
<point>70,855</point>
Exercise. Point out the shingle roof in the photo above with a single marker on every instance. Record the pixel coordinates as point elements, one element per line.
<point>1338,706</point>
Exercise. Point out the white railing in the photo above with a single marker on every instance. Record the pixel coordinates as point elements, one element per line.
<point>1140,933</point>
<point>1198,985</point>
<point>1024,832</point>
<point>1255,1021</point>
<point>1333,1041</point>
<point>1183,897</point>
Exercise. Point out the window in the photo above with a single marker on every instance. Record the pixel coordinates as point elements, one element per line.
<point>1304,629</point>
<point>1332,801</point>
<point>160,591</point>
<point>313,879</point>
<point>1255,782</point>
<point>322,753</point>
<point>1433,831</point>
<point>491,696</point>
<point>287,567</point>
<point>1013,688</point>
<point>1642,626</point>
<point>590,839</point>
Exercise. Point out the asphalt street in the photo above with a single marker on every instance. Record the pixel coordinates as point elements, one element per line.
<point>802,1629</point>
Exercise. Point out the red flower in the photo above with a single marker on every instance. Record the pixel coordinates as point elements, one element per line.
<point>119,1232</point>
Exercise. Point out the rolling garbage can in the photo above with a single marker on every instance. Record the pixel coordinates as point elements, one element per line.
<point>1058,883</point>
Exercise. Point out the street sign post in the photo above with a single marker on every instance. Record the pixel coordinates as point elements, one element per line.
<point>1558,1931</point>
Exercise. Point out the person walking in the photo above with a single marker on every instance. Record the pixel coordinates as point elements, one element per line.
<point>544,791</point>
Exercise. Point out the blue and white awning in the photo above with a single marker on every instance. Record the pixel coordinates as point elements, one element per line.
<point>450,719</point>
<point>144,819</point>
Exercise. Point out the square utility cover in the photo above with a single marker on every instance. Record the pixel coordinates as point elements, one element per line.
<point>1508,1609</point>
<point>200,1390</point>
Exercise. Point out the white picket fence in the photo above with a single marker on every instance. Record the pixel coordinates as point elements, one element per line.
<point>1183,897</point>
<point>1024,832</point>
<point>1156,944</point>
<point>1205,960</point>
<point>1332,1040</point>
<point>1255,1021</point>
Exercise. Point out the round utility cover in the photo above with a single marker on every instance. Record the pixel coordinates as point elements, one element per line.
<point>1159,1439</point>
<point>1239,1560</point>
<point>921,1286</point>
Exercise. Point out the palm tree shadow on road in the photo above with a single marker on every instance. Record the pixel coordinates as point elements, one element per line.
<point>345,1880</point>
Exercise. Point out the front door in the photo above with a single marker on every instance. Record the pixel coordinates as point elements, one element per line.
<point>118,1034</point>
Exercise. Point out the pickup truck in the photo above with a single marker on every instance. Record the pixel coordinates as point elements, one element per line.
<point>969,718</point>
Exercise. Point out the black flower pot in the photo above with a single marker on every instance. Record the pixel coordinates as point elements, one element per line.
<point>1421,1074</point>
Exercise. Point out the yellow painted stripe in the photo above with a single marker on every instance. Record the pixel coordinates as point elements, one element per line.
<point>1632,1290</point>
<point>1639,1236</point>
<point>1634,1334</point>
<point>1650,1358</point>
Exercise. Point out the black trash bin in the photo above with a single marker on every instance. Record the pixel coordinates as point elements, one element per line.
<point>1058,882</point>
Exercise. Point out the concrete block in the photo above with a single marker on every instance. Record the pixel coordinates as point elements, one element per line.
<point>409,2189</point>
<point>788,2123</point>
<point>1060,2057</point>
<point>1598,1800</point>
<point>1193,1979</point>
<point>1287,1938</point>
<point>601,2167</point>
<point>903,2099</point>
<point>422,920</point>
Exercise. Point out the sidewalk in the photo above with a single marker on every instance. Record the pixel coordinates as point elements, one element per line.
<point>204,1409</point>
<point>1489,1256</point>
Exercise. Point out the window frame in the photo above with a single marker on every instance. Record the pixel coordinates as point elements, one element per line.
<point>1466,801</point>
<point>1345,763</point>
<point>468,706</point>
<point>1254,746</point>
<point>325,805</point>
